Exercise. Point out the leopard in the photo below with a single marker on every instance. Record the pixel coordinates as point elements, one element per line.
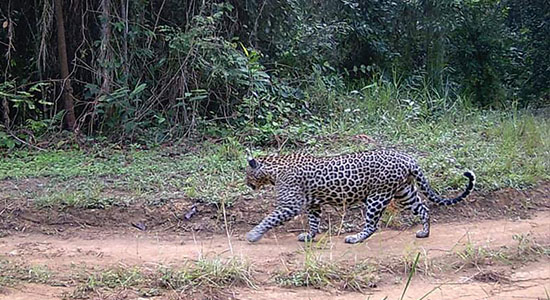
<point>304,183</point>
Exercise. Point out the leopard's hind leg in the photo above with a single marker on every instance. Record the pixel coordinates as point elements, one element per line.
<point>407,198</point>
<point>374,207</point>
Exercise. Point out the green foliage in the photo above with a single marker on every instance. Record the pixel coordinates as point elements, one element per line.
<point>197,73</point>
<point>6,141</point>
<point>32,108</point>
<point>531,49</point>
<point>478,49</point>
<point>447,137</point>
<point>22,99</point>
<point>211,68</point>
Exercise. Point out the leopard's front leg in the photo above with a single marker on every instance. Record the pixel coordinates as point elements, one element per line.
<point>277,217</point>
<point>290,201</point>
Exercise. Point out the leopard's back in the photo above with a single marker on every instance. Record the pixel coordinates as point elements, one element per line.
<point>349,178</point>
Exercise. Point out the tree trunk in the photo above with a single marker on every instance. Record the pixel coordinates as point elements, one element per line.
<point>64,65</point>
<point>6,112</point>
<point>124,14</point>
<point>105,57</point>
<point>105,50</point>
<point>5,104</point>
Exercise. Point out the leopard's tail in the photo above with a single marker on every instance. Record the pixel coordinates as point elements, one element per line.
<point>434,197</point>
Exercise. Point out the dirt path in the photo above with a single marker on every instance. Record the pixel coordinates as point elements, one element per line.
<point>139,248</point>
<point>94,249</point>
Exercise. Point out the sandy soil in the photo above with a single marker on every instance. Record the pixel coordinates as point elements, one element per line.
<point>64,246</point>
<point>98,249</point>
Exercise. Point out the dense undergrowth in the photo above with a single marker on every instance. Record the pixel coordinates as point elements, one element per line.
<point>504,149</point>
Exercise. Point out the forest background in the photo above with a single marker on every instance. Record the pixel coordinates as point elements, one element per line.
<point>466,81</point>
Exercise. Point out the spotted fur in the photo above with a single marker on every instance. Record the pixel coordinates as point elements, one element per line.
<point>304,183</point>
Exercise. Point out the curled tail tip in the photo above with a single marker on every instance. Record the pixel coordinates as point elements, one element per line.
<point>471,182</point>
<point>470,175</point>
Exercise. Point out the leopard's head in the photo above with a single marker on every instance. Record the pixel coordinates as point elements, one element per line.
<point>256,174</point>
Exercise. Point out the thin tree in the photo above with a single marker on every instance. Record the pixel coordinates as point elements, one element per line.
<point>8,24</point>
<point>64,66</point>
<point>124,13</point>
<point>105,54</point>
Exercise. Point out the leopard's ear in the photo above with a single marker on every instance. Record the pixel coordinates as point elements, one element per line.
<point>252,163</point>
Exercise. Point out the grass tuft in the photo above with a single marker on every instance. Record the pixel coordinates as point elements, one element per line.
<point>208,275</point>
<point>12,273</point>
<point>320,272</point>
<point>204,276</point>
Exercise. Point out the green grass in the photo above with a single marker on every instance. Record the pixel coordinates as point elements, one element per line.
<point>208,275</point>
<point>12,273</point>
<point>113,177</point>
<point>86,196</point>
<point>527,249</point>
<point>321,274</point>
<point>319,271</point>
<point>477,256</point>
<point>504,149</point>
<point>116,278</point>
<point>205,275</point>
